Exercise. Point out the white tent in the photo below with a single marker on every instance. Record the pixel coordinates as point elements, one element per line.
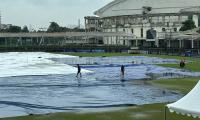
<point>188,105</point>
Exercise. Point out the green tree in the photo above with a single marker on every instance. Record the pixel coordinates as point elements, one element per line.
<point>76,29</point>
<point>65,29</point>
<point>198,30</point>
<point>14,29</point>
<point>188,25</point>
<point>54,27</point>
<point>25,29</point>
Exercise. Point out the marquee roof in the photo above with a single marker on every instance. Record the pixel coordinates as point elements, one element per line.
<point>188,105</point>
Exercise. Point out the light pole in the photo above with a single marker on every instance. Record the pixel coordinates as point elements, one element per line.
<point>42,37</point>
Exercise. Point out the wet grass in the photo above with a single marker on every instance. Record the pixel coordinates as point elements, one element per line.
<point>193,64</point>
<point>183,85</point>
<point>145,112</point>
<point>194,67</point>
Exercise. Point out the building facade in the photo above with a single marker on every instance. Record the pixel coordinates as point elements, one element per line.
<point>148,20</point>
<point>93,24</point>
<point>5,26</point>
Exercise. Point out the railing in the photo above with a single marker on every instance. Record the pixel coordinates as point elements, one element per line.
<point>67,34</point>
<point>177,35</point>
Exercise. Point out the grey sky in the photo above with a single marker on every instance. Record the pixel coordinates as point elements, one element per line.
<point>38,13</point>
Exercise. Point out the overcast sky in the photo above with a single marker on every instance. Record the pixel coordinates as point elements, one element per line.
<point>38,13</point>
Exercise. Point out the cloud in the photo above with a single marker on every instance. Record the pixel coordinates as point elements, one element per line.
<point>40,12</point>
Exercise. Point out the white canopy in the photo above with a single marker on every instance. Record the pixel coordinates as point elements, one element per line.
<point>188,105</point>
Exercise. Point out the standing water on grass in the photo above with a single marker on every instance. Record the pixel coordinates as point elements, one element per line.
<point>39,83</point>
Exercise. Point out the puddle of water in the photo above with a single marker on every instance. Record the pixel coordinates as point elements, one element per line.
<point>102,88</point>
<point>46,94</point>
<point>115,60</point>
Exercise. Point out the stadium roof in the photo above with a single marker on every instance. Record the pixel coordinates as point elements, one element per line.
<point>135,7</point>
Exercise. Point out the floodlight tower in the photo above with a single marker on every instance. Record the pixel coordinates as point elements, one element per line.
<point>79,23</point>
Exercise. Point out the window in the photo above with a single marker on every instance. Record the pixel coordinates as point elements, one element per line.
<point>163,29</point>
<point>142,35</point>
<point>132,31</point>
<point>167,24</point>
<point>124,30</point>
<point>199,20</point>
<point>190,17</point>
<point>124,42</point>
<point>175,29</point>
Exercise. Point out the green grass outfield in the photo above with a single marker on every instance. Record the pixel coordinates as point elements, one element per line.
<point>145,112</point>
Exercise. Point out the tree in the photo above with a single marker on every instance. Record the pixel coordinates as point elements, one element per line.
<point>14,29</point>
<point>65,29</point>
<point>77,29</point>
<point>198,30</point>
<point>188,25</point>
<point>54,27</point>
<point>25,29</point>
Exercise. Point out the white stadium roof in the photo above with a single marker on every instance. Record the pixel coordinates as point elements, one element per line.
<point>134,7</point>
